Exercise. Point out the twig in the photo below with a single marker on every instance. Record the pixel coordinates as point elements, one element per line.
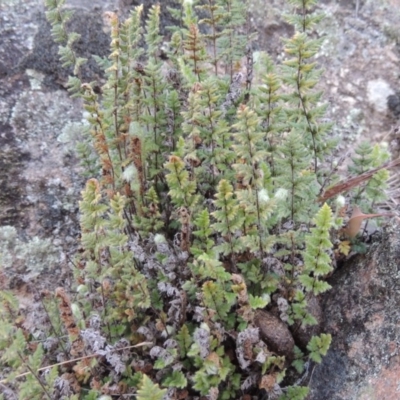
<point>78,359</point>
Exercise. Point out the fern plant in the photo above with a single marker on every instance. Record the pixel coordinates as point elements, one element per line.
<point>201,232</point>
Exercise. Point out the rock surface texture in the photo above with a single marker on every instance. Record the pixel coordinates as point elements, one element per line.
<point>40,179</point>
<point>362,313</point>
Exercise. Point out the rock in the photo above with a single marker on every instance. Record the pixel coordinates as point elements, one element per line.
<point>393,103</point>
<point>303,334</point>
<point>40,180</point>
<point>44,55</point>
<point>274,333</point>
<point>378,90</point>
<point>361,312</point>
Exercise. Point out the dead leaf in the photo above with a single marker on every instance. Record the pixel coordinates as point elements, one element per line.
<point>354,224</point>
<point>267,382</point>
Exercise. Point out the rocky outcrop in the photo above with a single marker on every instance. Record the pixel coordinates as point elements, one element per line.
<point>40,182</point>
<point>362,313</point>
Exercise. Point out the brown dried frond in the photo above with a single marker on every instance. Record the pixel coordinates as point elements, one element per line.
<point>267,382</point>
<point>72,381</point>
<point>110,18</point>
<point>192,43</point>
<point>240,289</point>
<point>83,369</point>
<point>185,228</point>
<point>95,384</point>
<point>174,159</point>
<point>113,389</point>
<point>195,47</point>
<point>136,155</point>
<point>196,87</point>
<point>67,318</point>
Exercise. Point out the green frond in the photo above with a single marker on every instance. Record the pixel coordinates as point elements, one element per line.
<point>228,218</point>
<point>316,260</point>
<point>150,391</point>
<point>181,187</point>
<point>295,393</point>
<point>367,157</point>
<point>8,301</point>
<point>175,379</point>
<point>152,35</point>
<point>207,265</point>
<point>215,299</point>
<point>318,346</point>
<point>184,340</point>
<point>259,302</point>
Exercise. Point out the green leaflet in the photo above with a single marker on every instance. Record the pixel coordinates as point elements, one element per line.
<point>150,391</point>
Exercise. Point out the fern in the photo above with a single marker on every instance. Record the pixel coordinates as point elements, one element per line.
<point>317,262</point>
<point>368,157</point>
<point>59,17</point>
<point>205,163</point>
<point>295,393</point>
<point>149,391</point>
<point>318,346</point>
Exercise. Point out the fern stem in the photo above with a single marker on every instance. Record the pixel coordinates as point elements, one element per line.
<point>214,36</point>
<point>52,328</point>
<point>35,375</point>
<point>115,113</point>
<point>105,313</point>
<point>304,108</point>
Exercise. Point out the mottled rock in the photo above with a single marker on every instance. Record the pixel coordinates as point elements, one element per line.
<point>44,55</point>
<point>40,179</point>
<point>378,90</point>
<point>362,313</point>
<point>393,104</point>
<point>274,333</point>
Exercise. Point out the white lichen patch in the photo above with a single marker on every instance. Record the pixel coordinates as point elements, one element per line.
<point>35,79</point>
<point>378,91</point>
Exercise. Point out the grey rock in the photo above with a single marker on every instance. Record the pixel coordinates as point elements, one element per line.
<point>274,332</point>
<point>393,103</point>
<point>362,314</point>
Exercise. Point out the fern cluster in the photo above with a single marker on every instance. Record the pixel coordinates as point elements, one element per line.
<point>201,232</point>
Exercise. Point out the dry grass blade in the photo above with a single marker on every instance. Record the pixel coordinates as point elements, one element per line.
<point>77,359</point>
<point>350,183</point>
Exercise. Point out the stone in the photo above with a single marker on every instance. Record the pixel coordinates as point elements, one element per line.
<point>378,90</point>
<point>274,333</point>
<point>362,314</point>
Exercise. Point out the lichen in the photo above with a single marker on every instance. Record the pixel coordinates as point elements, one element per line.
<point>30,257</point>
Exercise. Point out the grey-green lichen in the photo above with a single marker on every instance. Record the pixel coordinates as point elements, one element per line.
<point>30,257</point>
